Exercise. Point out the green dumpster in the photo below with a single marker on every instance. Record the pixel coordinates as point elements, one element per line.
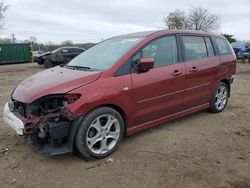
<point>15,53</point>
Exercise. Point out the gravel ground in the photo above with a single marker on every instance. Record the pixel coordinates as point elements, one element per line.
<point>201,150</point>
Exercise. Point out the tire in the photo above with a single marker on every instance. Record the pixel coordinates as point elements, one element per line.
<point>95,137</point>
<point>220,98</point>
<point>48,64</point>
<point>40,61</point>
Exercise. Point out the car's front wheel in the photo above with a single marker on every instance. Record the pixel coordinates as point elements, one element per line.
<point>220,98</point>
<point>40,61</point>
<point>100,133</point>
<point>48,64</point>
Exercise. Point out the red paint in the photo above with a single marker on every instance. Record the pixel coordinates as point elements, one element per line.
<point>146,98</point>
<point>52,81</point>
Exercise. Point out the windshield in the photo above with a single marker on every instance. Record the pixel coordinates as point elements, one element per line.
<point>105,54</point>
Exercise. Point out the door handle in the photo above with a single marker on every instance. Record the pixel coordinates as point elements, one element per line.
<point>193,69</point>
<point>177,72</point>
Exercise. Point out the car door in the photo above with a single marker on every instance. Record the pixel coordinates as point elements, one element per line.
<point>158,92</point>
<point>201,65</point>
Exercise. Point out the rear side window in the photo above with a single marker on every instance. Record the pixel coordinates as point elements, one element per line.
<point>210,49</point>
<point>76,50</point>
<point>163,50</point>
<point>223,46</point>
<point>194,47</point>
<point>65,50</point>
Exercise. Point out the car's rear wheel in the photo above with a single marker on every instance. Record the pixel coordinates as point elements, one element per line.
<point>100,133</point>
<point>220,98</point>
<point>48,64</point>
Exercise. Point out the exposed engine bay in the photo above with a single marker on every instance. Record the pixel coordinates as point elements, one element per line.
<point>46,120</point>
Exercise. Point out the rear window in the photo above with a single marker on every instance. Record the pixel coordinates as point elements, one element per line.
<point>194,47</point>
<point>223,46</point>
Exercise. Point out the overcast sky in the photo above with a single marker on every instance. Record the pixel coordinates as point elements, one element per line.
<point>93,20</point>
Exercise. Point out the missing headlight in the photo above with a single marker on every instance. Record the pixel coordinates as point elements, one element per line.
<point>51,104</point>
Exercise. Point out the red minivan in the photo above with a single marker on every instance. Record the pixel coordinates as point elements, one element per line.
<point>119,87</point>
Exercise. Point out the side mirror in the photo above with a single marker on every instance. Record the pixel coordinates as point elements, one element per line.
<point>146,63</point>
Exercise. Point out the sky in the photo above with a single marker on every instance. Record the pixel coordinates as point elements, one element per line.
<point>83,21</point>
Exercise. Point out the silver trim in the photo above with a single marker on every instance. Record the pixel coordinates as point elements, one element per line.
<point>145,100</point>
<point>160,96</point>
<point>195,87</point>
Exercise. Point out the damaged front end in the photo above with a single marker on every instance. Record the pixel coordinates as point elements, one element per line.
<point>47,123</point>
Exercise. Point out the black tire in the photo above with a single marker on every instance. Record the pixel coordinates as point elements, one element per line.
<point>39,61</point>
<point>214,107</point>
<point>80,140</point>
<point>48,64</point>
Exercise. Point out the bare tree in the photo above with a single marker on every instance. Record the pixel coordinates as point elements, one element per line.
<point>176,20</point>
<point>197,18</point>
<point>67,43</point>
<point>3,9</point>
<point>201,19</point>
<point>33,39</point>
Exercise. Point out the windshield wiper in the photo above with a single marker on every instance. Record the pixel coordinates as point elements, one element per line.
<point>78,67</point>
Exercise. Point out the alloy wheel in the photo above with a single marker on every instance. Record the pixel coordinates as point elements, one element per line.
<point>221,97</point>
<point>103,134</point>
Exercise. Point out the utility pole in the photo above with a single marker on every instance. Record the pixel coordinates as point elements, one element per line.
<point>13,39</point>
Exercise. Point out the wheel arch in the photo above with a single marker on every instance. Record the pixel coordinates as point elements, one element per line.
<point>227,82</point>
<point>75,126</point>
<point>74,137</point>
<point>119,110</point>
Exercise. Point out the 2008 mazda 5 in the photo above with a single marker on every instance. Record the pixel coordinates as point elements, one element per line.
<point>119,87</point>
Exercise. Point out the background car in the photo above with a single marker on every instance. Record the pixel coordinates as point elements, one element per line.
<point>37,53</point>
<point>242,50</point>
<point>58,56</point>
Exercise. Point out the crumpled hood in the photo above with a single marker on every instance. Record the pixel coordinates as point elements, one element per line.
<point>56,80</point>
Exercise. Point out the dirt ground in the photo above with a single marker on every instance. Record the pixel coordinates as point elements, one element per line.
<point>201,150</point>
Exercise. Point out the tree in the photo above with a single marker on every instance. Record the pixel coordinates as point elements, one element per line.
<point>5,40</point>
<point>176,20</point>
<point>229,37</point>
<point>197,18</point>
<point>3,9</point>
<point>67,43</point>
<point>201,19</point>
<point>33,39</point>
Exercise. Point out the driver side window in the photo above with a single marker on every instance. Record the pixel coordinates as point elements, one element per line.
<point>163,50</point>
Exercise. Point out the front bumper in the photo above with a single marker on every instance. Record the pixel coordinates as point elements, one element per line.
<point>12,120</point>
<point>59,136</point>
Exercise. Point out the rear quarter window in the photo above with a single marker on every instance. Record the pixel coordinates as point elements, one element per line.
<point>223,46</point>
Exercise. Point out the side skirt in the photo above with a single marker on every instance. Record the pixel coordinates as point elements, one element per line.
<point>153,123</point>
